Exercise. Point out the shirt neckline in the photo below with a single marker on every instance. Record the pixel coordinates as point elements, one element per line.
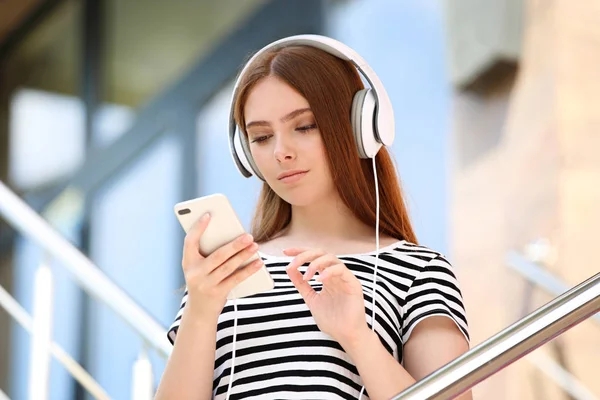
<point>373,252</point>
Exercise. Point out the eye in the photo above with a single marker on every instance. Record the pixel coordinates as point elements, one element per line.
<point>259,139</point>
<point>306,128</point>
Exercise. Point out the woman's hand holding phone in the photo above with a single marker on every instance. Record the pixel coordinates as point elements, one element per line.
<point>209,279</point>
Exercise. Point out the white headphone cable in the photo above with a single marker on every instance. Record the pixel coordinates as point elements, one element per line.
<point>374,286</point>
<point>233,349</point>
<point>376,257</point>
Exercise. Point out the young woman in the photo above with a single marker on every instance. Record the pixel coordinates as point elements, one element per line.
<point>311,336</point>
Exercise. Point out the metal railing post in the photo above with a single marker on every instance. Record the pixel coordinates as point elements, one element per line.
<point>41,335</point>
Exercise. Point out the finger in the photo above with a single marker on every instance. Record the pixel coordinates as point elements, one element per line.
<point>337,271</point>
<point>229,266</point>
<point>225,252</point>
<point>294,251</point>
<point>320,264</point>
<point>305,257</point>
<point>305,290</point>
<point>191,243</point>
<point>241,274</point>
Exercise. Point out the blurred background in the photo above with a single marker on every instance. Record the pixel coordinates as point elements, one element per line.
<point>112,111</point>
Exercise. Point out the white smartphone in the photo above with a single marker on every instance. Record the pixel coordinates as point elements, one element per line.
<point>224,226</point>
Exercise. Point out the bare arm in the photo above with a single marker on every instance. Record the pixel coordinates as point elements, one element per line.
<point>434,342</point>
<point>382,374</point>
<point>189,370</point>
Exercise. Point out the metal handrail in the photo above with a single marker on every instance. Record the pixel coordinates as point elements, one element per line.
<point>528,266</point>
<point>541,277</point>
<point>509,345</point>
<point>21,316</point>
<point>86,274</point>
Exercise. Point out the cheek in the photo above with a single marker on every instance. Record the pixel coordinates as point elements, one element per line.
<point>259,155</point>
<point>314,147</point>
<point>263,158</point>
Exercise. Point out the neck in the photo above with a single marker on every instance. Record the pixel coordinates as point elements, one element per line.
<point>327,219</point>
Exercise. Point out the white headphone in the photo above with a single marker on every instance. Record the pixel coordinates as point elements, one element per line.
<point>372,116</point>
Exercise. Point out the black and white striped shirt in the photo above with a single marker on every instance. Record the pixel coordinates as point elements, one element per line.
<point>280,351</point>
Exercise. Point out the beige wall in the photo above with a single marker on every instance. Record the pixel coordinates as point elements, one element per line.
<point>536,174</point>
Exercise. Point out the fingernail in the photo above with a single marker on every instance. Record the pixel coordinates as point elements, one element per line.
<point>205,216</point>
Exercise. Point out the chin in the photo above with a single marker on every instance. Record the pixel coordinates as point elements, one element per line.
<point>300,197</point>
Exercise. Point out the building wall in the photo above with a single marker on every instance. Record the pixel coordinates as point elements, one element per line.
<point>539,179</point>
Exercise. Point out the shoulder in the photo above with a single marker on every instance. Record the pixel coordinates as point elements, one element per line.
<point>434,289</point>
<point>417,250</point>
<point>416,257</point>
<point>414,267</point>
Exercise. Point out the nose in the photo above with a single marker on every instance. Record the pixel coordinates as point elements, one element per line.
<point>284,151</point>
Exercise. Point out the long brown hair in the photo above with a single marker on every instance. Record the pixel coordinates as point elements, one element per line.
<point>328,84</point>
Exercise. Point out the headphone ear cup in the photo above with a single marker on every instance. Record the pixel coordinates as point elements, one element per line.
<point>242,150</point>
<point>363,123</point>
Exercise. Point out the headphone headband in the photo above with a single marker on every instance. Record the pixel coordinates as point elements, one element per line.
<point>384,115</point>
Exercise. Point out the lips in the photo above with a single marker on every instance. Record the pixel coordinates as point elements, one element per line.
<point>291,174</point>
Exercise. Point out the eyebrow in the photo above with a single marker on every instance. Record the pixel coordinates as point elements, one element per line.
<point>285,118</point>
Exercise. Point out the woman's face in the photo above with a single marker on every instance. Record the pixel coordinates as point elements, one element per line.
<point>286,143</point>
